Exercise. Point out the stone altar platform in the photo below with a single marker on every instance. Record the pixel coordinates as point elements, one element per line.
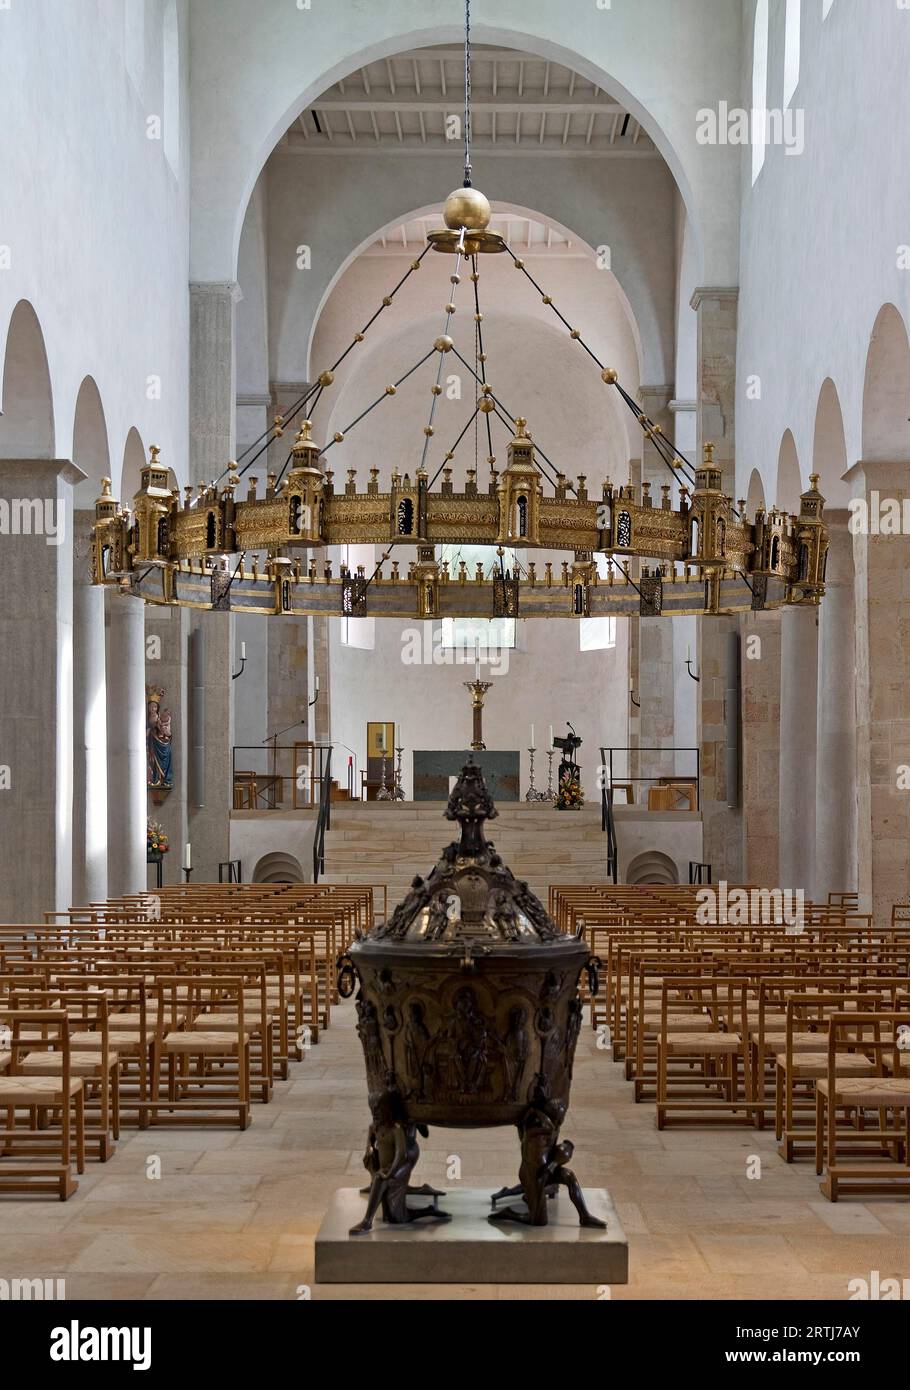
<point>469,1249</point>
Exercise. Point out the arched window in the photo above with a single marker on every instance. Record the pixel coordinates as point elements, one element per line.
<point>721,533</point>
<point>624,531</point>
<point>522,506</point>
<point>405,517</point>
<point>170,71</point>
<point>791,49</point>
<point>694,536</point>
<point>759,87</point>
<point>294,521</point>
<point>163,537</point>
<point>775,552</point>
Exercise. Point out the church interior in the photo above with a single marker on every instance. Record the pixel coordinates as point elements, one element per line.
<point>455,561</point>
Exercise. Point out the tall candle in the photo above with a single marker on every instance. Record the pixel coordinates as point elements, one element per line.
<point>317,685</point>
<point>532,744</point>
<point>243,651</point>
<point>688,652</point>
<point>188,856</point>
<point>550,739</point>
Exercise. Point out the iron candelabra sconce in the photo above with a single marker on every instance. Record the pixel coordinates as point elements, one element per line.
<point>690,671</point>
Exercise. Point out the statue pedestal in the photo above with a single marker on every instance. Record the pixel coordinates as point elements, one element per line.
<point>469,1249</point>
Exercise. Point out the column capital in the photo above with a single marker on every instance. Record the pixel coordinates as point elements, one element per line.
<point>682,407</point>
<point>63,468</point>
<point>723,294</point>
<point>219,289</point>
<point>877,473</point>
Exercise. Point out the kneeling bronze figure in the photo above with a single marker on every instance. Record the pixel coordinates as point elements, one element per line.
<point>468,1013</point>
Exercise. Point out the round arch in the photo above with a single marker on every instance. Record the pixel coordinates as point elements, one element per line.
<point>755,497</point>
<point>652,866</point>
<point>829,446</point>
<point>134,457</point>
<point>789,482</point>
<point>499,206</point>
<point>278,867</point>
<point>91,451</point>
<point>536,45</point>
<point>886,390</point>
<point>27,427</point>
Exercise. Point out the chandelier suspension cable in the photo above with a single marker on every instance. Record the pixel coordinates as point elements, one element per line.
<point>276,430</point>
<point>437,386</point>
<point>450,454</point>
<point>509,420</point>
<point>481,355</point>
<point>467,93</point>
<point>339,438</point>
<point>675,461</point>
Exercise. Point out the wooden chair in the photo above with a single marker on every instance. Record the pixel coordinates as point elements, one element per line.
<point>220,1082</point>
<point>886,1093</point>
<point>53,1105</point>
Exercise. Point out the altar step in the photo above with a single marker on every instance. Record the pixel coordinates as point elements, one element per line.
<point>392,842</point>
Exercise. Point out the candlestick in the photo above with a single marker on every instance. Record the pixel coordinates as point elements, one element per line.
<point>551,795</point>
<point>478,690</point>
<point>397,788</point>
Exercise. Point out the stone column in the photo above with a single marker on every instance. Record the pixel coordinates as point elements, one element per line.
<point>212,377</point>
<point>655,686</point>
<point>835,765</point>
<point>798,698</point>
<point>212,434</point>
<point>36,686</point>
<point>760,677</point>
<point>882,598</point>
<point>126,760</point>
<point>89,724</point>
<point>166,632</point>
<point>716,307</point>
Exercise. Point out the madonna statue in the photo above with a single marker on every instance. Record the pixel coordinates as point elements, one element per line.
<point>158,741</point>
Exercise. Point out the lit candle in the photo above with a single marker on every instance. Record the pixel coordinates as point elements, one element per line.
<point>532,744</point>
<point>550,739</point>
<point>243,651</point>
<point>187,856</point>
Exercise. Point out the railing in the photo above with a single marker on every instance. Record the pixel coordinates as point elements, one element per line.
<point>271,776</point>
<point>323,819</point>
<point>608,785</point>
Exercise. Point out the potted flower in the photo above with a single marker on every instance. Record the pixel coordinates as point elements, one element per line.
<point>570,796</point>
<point>156,842</point>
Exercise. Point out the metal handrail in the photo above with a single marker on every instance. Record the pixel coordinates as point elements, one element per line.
<point>323,819</point>
<point>607,822</point>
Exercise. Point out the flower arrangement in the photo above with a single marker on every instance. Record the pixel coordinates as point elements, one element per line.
<point>570,795</point>
<point>156,838</point>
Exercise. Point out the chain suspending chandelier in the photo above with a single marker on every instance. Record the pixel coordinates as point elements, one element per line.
<point>258,554</point>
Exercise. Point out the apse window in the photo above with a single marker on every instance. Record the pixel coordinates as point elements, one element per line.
<point>472,635</point>
<point>791,49</point>
<point>759,87</point>
<point>597,634</point>
<point>358,632</point>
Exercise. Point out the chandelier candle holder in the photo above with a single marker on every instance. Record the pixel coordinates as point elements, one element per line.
<point>478,691</point>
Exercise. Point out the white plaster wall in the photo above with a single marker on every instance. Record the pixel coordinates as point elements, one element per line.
<point>548,681</point>
<point>665,59</point>
<point>94,218</point>
<point>821,232</point>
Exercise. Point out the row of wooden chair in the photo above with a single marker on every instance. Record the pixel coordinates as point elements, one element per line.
<point>720,1024</point>
<point>111,1019</point>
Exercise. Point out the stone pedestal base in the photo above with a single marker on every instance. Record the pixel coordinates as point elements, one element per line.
<point>469,1249</point>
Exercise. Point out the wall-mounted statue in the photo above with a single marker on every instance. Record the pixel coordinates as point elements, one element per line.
<point>158,739</point>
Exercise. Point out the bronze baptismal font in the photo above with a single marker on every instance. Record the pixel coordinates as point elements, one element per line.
<point>468,1012</point>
